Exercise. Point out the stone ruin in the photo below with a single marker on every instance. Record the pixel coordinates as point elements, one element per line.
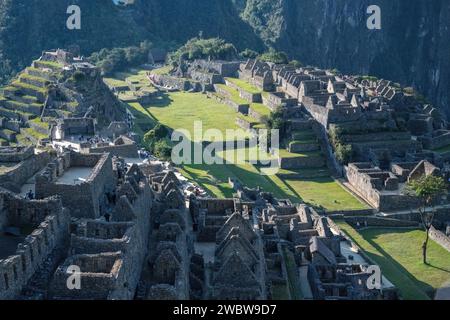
<point>384,189</point>
<point>33,234</point>
<point>198,75</point>
<point>390,131</point>
<point>133,236</point>
<point>247,245</point>
<point>168,264</point>
<point>19,164</point>
<point>257,73</point>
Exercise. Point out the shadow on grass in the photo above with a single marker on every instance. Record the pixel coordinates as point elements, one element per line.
<point>370,236</point>
<point>438,268</point>
<point>207,180</point>
<point>162,100</point>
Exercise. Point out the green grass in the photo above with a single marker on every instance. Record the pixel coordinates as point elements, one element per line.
<point>286,154</point>
<point>35,134</point>
<point>244,85</point>
<point>115,82</point>
<point>260,109</point>
<point>179,110</point>
<point>306,173</point>
<point>247,118</point>
<point>234,94</point>
<point>34,78</point>
<point>214,179</point>
<point>49,64</point>
<point>162,71</point>
<point>40,123</point>
<point>143,120</point>
<point>325,193</point>
<point>399,254</point>
<point>29,86</point>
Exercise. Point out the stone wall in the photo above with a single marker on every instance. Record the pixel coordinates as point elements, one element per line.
<point>52,231</point>
<point>250,97</point>
<point>115,249</point>
<point>298,147</point>
<point>206,78</point>
<point>11,154</point>
<point>317,112</point>
<point>242,108</point>
<point>101,275</point>
<point>275,99</point>
<point>125,150</point>
<point>176,83</point>
<point>440,238</point>
<point>302,162</point>
<point>224,68</point>
<point>83,199</point>
<point>244,124</point>
<point>17,176</point>
<point>371,221</point>
<point>437,142</point>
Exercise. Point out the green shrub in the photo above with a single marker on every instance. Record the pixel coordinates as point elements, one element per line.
<point>119,59</point>
<point>344,153</point>
<point>198,48</point>
<point>78,76</point>
<point>249,54</point>
<point>296,64</point>
<point>162,149</point>
<point>157,133</point>
<point>273,56</point>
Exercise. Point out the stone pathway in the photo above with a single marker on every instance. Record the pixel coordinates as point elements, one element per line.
<point>304,283</point>
<point>443,293</point>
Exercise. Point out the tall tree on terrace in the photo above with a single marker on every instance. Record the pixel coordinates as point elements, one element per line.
<point>428,189</point>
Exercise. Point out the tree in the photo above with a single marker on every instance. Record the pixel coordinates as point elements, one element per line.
<point>275,57</point>
<point>200,48</point>
<point>296,64</point>
<point>162,149</point>
<point>159,132</point>
<point>249,54</point>
<point>276,120</point>
<point>427,189</point>
<point>344,153</point>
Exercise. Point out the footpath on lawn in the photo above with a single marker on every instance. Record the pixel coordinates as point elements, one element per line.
<point>399,254</point>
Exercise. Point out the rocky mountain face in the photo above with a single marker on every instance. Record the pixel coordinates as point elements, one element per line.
<point>412,47</point>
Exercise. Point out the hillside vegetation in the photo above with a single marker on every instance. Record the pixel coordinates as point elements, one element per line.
<point>412,47</point>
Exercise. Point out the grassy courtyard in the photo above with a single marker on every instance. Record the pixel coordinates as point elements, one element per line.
<point>326,193</point>
<point>179,110</point>
<point>244,85</point>
<point>399,254</point>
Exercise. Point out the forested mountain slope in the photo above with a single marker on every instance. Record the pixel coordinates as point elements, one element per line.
<point>413,46</point>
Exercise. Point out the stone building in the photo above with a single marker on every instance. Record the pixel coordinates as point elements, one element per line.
<point>384,189</point>
<point>82,180</point>
<point>257,73</point>
<point>111,251</point>
<point>239,266</point>
<point>168,264</point>
<point>33,234</point>
<point>20,164</point>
